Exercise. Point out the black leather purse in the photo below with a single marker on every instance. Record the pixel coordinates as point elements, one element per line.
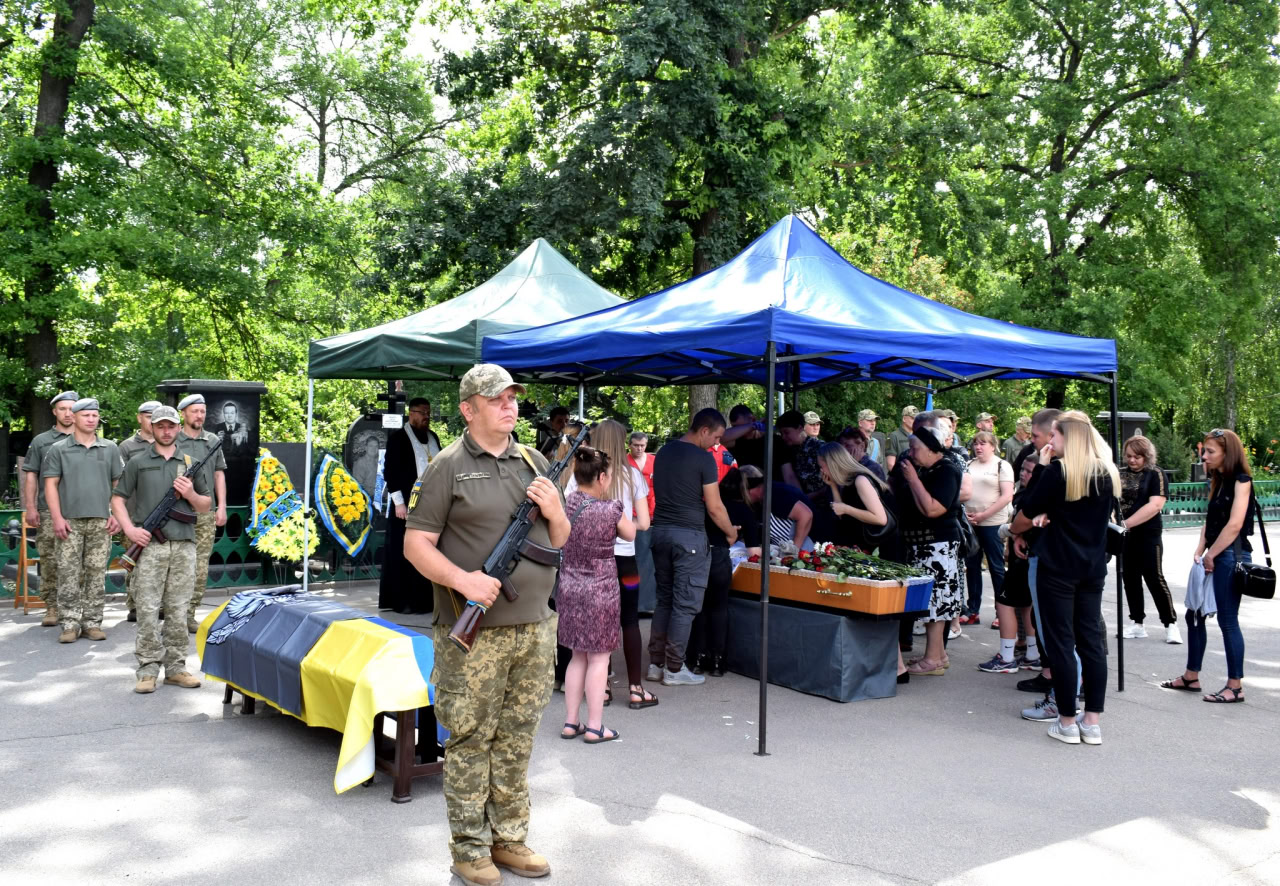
<point>1254,579</point>
<point>1116,530</point>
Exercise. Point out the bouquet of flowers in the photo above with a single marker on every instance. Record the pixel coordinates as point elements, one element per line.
<point>343,506</point>
<point>842,563</point>
<point>278,520</point>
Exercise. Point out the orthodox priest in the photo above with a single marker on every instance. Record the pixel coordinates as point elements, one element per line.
<point>409,449</point>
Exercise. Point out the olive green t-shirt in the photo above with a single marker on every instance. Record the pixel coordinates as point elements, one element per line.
<point>147,477</point>
<point>85,476</point>
<point>468,496</point>
<point>35,459</point>
<point>198,448</point>
<point>131,447</point>
<point>899,442</point>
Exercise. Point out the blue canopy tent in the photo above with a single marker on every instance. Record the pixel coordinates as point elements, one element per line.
<point>790,313</point>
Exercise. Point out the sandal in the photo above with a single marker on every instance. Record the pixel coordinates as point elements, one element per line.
<point>925,668</point>
<point>1237,695</point>
<point>600,737</point>
<point>646,699</point>
<point>608,696</point>
<point>1182,684</point>
<point>577,728</point>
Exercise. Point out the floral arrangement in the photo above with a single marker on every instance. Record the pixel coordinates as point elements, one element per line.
<point>278,522</point>
<point>343,506</point>
<point>843,563</point>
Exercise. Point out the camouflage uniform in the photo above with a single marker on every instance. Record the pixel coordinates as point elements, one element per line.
<point>492,698</point>
<point>46,541</point>
<point>128,449</point>
<point>206,524</point>
<point>82,570</point>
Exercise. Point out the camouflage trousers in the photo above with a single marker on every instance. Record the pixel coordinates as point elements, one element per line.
<point>82,572</point>
<point>206,529</point>
<point>47,551</point>
<point>163,578</point>
<point>491,701</point>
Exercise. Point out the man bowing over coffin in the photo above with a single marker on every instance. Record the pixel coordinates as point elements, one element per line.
<point>409,450</point>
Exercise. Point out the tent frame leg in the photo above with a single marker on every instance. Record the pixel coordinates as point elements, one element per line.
<point>306,487</point>
<point>771,358</point>
<point>1115,454</point>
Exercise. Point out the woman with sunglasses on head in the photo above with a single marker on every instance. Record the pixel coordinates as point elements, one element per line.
<point>1228,521</point>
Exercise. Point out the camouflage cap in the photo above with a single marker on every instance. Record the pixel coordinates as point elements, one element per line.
<point>812,418</point>
<point>65,395</point>
<point>867,415</point>
<point>148,407</point>
<point>910,412</point>
<point>191,400</point>
<point>85,403</point>
<point>985,416</point>
<point>164,413</point>
<point>947,413</point>
<point>487,380</point>
<point>1024,421</point>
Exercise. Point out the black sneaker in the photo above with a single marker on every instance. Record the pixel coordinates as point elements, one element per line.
<point>1039,683</point>
<point>701,664</point>
<point>717,665</point>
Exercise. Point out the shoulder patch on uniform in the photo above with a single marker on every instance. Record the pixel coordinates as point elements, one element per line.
<point>413,496</point>
<point>186,459</point>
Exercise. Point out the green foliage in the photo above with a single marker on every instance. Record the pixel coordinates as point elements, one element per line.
<point>1173,452</point>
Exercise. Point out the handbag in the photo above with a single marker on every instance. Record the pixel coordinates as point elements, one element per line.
<point>969,545</point>
<point>1116,530</point>
<point>1254,579</point>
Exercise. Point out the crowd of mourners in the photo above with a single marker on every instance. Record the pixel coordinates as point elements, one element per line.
<point>1044,510</point>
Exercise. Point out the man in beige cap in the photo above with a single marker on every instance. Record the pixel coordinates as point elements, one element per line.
<point>1021,436</point>
<point>195,441</point>
<point>876,442</point>
<point>491,698</point>
<point>79,472</point>
<point>900,439</point>
<point>37,509</point>
<point>812,424</point>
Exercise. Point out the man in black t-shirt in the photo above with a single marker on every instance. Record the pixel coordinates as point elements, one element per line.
<point>685,481</point>
<point>745,436</point>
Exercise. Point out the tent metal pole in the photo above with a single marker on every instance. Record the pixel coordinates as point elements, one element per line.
<point>928,398</point>
<point>771,357</point>
<point>782,403</point>
<point>306,487</point>
<point>582,401</point>
<point>1115,454</point>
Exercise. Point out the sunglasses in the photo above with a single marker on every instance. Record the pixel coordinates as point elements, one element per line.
<point>1216,432</point>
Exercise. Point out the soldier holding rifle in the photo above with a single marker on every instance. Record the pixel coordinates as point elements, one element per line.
<point>167,565</point>
<point>491,698</point>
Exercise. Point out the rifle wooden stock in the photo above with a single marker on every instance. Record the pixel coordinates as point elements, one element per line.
<point>130,557</point>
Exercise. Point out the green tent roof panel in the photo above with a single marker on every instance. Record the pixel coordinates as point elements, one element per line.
<point>540,286</point>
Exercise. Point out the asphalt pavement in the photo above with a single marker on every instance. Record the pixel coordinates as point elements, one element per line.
<point>943,784</point>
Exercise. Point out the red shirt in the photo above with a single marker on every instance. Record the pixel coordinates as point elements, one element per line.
<point>647,471</point>
<point>724,460</point>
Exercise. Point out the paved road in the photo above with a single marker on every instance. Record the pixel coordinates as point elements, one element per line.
<point>944,784</point>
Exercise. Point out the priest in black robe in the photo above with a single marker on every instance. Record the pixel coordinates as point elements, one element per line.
<point>403,588</point>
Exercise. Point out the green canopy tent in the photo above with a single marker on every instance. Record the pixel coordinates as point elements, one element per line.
<point>539,286</point>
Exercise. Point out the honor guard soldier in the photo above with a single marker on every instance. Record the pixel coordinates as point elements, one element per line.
<point>128,449</point>
<point>79,472</point>
<point>195,441</point>
<point>38,509</point>
<point>491,698</point>
<point>166,571</point>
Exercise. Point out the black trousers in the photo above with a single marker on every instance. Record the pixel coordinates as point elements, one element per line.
<point>1071,620</point>
<point>1143,561</point>
<point>710,633</point>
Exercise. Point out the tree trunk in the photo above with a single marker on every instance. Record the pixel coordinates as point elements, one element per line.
<point>57,75</point>
<point>1229,382</point>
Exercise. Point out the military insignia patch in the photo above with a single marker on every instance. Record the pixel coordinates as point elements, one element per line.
<point>413,496</point>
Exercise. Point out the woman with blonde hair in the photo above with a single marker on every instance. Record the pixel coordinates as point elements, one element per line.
<point>1144,492</point>
<point>857,500</point>
<point>1224,541</point>
<point>627,485</point>
<point>1072,502</point>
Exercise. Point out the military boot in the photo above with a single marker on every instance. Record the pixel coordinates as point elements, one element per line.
<point>50,619</point>
<point>520,860</point>
<point>132,616</point>
<point>145,685</point>
<point>183,679</point>
<point>69,635</point>
<point>192,626</point>
<point>95,633</point>
<point>480,872</point>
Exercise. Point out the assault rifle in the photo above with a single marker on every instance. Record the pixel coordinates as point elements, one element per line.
<point>506,555</point>
<point>164,512</point>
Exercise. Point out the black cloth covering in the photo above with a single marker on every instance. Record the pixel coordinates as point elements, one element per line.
<point>402,588</point>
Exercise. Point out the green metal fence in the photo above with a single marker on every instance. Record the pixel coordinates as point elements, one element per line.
<point>1188,502</point>
<point>234,563</point>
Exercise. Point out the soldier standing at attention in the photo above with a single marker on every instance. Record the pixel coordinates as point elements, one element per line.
<point>38,509</point>
<point>195,441</point>
<point>166,571</point>
<point>78,473</point>
<point>128,449</point>
<point>491,698</point>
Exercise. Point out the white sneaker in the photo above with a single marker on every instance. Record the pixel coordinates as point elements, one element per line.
<point>955,631</point>
<point>1089,734</point>
<point>1172,635</point>
<point>682,677</point>
<point>918,630</point>
<point>1135,631</point>
<point>1066,734</point>
<point>654,674</point>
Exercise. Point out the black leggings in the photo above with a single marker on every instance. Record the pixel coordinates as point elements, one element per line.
<point>1071,621</point>
<point>629,583</point>
<point>1143,560</point>
<point>710,633</point>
